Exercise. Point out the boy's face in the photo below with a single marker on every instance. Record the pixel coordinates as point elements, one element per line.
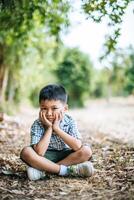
<point>52,107</point>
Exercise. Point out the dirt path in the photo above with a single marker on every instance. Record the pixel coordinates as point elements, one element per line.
<point>108,127</point>
<point>114,119</point>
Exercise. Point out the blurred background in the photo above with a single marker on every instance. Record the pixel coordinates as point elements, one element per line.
<point>88,46</point>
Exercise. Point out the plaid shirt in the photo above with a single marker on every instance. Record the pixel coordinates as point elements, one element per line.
<point>68,125</point>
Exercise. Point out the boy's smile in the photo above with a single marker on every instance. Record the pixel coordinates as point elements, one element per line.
<point>52,107</point>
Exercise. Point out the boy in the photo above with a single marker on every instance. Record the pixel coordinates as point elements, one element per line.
<point>56,145</point>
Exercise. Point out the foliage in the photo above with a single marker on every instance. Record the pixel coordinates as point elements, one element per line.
<point>74,72</point>
<point>122,81</point>
<point>39,58</point>
<point>117,79</point>
<point>129,73</point>
<point>19,16</point>
<point>113,11</point>
<point>102,83</point>
<point>31,53</point>
<point>18,19</point>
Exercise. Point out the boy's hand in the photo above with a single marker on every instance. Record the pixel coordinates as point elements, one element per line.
<point>58,118</point>
<point>44,120</point>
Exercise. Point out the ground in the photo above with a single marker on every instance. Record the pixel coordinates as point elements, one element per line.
<point>107,125</point>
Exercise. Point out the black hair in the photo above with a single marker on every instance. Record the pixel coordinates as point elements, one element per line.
<point>53,92</point>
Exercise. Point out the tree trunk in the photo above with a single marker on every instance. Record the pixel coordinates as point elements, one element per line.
<point>3,75</point>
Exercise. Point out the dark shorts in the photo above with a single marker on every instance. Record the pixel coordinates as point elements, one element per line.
<point>55,155</point>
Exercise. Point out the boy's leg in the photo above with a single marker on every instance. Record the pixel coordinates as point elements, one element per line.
<point>38,162</point>
<point>62,167</point>
<point>78,166</point>
<point>77,163</point>
<point>82,155</point>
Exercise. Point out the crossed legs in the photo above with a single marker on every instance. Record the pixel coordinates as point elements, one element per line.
<point>34,160</point>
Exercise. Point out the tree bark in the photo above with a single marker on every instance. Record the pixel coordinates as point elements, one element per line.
<point>3,75</point>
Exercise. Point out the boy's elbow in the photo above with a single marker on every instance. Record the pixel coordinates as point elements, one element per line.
<point>37,150</point>
<point>78,146</point>
<point>40,153</point>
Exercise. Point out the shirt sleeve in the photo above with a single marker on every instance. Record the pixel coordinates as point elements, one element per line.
<point>73,129</point>
<point>37,132</point>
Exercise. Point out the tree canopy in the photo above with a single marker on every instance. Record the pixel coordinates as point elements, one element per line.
<point>18,19</point>
<point>32,54</point>
<point>113,11</point>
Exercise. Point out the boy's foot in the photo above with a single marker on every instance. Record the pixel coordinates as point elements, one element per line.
<point>84,169</point>
<point>35,174</point>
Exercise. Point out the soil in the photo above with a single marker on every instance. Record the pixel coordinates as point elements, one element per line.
<point>108,126</point>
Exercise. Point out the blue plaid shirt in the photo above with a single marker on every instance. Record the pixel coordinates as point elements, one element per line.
<point>68,125</point>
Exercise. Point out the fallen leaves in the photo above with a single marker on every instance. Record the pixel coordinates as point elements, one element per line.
<point>112,158</point>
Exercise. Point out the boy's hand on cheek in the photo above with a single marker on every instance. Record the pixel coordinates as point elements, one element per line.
<point>44,120</point>
<point>58,118</point>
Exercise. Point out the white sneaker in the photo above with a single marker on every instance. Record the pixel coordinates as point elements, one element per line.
<point>84,169</point>
<point>35,174</point>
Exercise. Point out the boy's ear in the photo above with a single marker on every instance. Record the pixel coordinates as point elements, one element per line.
<point>66,107</point>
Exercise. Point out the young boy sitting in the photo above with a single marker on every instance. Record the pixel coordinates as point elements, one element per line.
<point>56,145</point>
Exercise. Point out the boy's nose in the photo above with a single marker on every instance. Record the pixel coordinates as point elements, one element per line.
<point>49,112</point>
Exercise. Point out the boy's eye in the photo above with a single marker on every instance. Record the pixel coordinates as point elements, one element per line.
<point>55,108</point>
<point>43,108</point>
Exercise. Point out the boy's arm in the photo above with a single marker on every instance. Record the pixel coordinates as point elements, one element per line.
<point>70,140</point>
<point>42,146</point>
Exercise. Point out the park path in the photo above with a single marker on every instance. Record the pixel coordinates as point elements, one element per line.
<point>113,119</point>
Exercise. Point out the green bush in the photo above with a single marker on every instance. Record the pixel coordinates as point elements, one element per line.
<point>74,72</point>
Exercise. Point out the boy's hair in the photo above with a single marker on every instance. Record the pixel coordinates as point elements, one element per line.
<point>53,92</point>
